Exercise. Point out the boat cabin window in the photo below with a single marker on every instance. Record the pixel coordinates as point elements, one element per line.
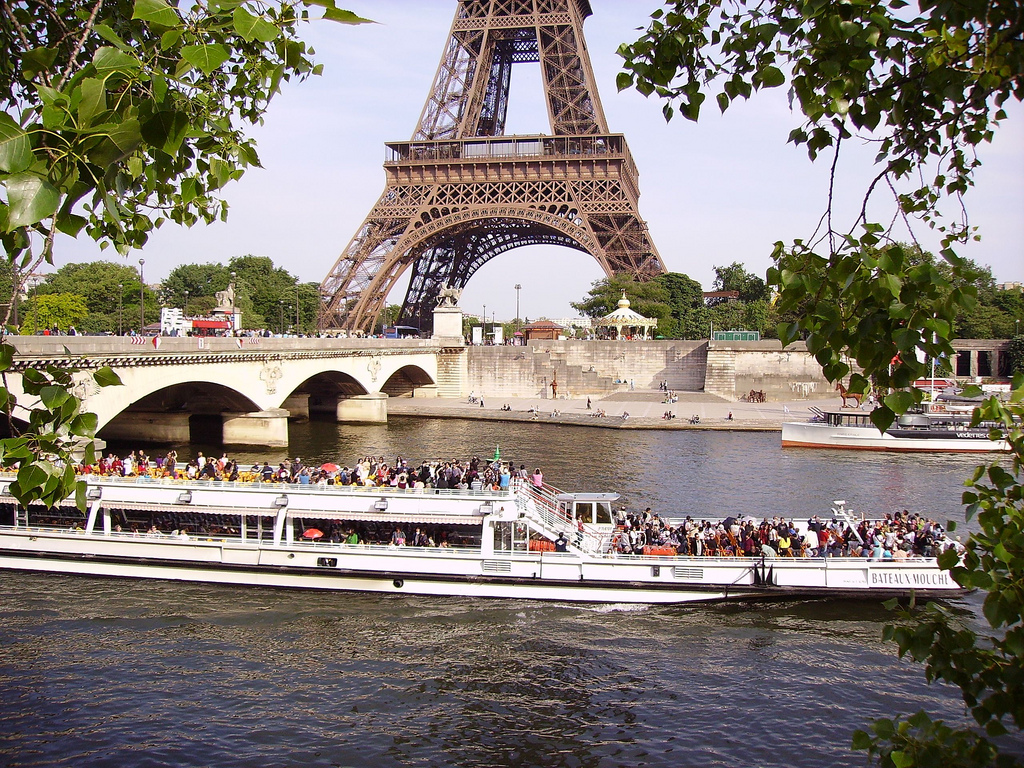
<point>854,419</point>
<point>585,511</point>
<point>594,512</point>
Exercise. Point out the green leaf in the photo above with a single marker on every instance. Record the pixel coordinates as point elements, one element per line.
<point>1002,553</point>
<point>107,60</point>
<point>206,58</point>
<point>772,77</point>
<point>93,102</point>
<point>37,60</point>
<point>53,397</point>
<point>156,12</point>
<point>253,27</point>
<point>861,740</point>
<point>166,130</point>
<point>882,418</point>
<point>33,475</point>
<point>31,199</point>
<point>70,224</point>
<point>901,759</point>
<point>899,402</point>
<point>15,146</point>
<point>106,33</point>
<point>106,377</point>
<point>333,13</point>
<point>84,425</point>
<point>345,17</point>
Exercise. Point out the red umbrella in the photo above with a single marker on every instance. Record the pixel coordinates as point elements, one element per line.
<point>312,533</point>
<point>329,467</point>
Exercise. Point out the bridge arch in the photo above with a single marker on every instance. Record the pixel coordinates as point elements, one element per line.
<point>189,411</point>
<point>321,394</point>
<point>405,381</point>
<point>447,246</point>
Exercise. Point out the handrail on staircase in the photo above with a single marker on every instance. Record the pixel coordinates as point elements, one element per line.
<point>545,503</point>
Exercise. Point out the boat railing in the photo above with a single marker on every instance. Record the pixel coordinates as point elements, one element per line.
<point>540,505</point>
<point>259,485</point>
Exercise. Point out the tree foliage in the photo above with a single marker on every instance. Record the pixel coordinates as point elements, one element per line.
<point>677,301</point>
<point>267,296</point>
<point>57,311</point>
<point>119,115</point>
<point>926,86</point>
<point>1016,353</point>
<point>649,298</point>
<point>735,277</point>
<point>109,289</point>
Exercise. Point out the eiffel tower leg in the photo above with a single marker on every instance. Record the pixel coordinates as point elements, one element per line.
<point>349,302</point>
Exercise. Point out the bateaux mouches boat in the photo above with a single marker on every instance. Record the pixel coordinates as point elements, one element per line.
<point>488,544</point>
<point>926,432</point>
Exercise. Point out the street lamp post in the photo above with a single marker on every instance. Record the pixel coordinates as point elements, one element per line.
<point>232,303</point>
<point>120,300</point>
<point>484,340</point>
<point>518,289</point>
<point>297,305</point>
<point>280,318</point>
<point>142,299</point>
<point>185,308</point>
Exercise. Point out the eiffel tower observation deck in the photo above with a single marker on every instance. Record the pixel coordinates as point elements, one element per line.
<point>461,192</point>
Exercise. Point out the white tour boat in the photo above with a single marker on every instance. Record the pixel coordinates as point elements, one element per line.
<point>496,544</point>
<point>934,431</point>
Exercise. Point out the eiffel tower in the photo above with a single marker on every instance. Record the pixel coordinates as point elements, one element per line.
<point>461,192</point>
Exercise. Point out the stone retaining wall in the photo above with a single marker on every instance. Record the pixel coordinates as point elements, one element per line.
<point>588,368</point>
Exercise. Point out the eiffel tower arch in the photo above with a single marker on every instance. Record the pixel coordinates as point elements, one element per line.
<point>460,192</point>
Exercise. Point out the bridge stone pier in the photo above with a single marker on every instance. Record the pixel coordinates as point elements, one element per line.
<point>240,391</point>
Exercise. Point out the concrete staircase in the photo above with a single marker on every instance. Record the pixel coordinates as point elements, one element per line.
<point>721,373</point>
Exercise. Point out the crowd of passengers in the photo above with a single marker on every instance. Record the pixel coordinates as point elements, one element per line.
<point>368,471</point>
<point>896,536</point>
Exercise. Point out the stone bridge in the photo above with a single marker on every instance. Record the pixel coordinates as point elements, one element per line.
<point>240,391</point>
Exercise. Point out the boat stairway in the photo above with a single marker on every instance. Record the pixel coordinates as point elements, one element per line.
<point>540,507</point>
<point>840,512</point>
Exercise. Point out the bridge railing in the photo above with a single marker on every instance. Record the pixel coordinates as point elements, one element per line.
<point>45,347</point>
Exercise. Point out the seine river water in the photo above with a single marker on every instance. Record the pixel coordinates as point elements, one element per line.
<point>99,672</point>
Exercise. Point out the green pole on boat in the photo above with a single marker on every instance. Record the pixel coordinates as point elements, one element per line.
<point>497,452</point>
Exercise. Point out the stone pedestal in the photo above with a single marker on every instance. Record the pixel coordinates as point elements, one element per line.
<point>425,391</point>
<point>149,428</point>
<point>297,406</point>
<point>368,409</point>
<point>448,322</point>
<point>266,428</point>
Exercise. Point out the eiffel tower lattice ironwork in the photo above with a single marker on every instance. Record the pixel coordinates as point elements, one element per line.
<point>460,192</point>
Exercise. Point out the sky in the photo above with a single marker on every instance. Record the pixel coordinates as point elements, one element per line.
<point>715,192</point>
